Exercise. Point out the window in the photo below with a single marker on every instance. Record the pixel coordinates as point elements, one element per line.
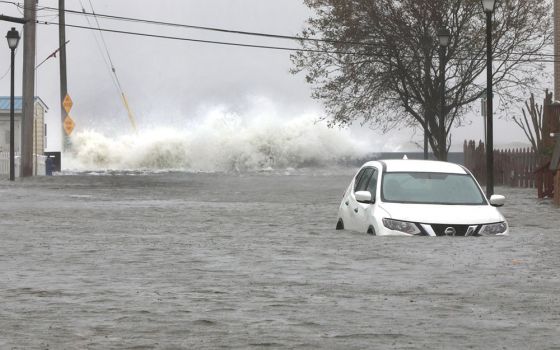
<point>431,188</point>
<point>372,185</point>
<point>362,184</point>
<point>358,178</point>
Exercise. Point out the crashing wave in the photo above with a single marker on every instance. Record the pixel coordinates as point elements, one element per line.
<point>221,142</point>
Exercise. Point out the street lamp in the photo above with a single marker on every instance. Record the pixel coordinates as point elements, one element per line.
<point>444,37</point>
<point>13,40</point>
<point>488,6</point>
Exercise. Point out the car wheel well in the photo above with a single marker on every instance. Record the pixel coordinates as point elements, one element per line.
<point>340,224</point>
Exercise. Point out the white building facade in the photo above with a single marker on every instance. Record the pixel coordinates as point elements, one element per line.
<point>39,134</point>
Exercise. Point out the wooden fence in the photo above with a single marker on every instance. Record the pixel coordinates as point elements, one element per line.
<point>512,167</point>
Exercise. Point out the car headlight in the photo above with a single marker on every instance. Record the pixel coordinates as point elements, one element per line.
<point>401,226</point>
<point>493,229</point>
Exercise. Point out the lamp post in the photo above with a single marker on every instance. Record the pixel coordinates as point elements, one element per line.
<point>427,43</point>
<point>13,40</point>
<point>444,37</point>
<point>488,6</point>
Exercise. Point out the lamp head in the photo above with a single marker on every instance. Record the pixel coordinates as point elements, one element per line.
<point>13,38</point>
<point>488,5</point>
<point>444,36</point>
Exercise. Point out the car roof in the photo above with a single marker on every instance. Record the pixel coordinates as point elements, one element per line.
<point>421,166</point>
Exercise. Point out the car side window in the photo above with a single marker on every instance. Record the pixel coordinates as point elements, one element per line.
<point>362,184</point>
<point>372,185</point>
<point>358,178</point>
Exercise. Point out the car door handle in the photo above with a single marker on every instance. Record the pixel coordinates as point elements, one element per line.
<point>355,210</point>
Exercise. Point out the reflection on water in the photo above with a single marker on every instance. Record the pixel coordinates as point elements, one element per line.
<point>177,260</point>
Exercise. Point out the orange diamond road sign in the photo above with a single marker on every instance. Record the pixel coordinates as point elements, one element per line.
<point>68,125</point>
<point>67,103</point>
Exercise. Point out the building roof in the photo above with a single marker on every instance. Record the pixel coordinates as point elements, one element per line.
<point>18,102</point>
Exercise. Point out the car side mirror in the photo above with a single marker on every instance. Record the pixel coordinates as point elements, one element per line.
<point>364,197</point>
<point>497,200</point>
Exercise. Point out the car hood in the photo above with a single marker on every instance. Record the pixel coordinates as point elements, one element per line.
<point>443,214</point>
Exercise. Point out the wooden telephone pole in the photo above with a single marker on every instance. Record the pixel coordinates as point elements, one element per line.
<point>556,50</point>
<point>28,93</point>
<point>63,76</point>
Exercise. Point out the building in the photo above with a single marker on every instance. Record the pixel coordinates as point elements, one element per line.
<point>39,130</point>
<point>557,50</point>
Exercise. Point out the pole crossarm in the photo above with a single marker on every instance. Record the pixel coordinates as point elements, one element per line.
<point>12,19</point>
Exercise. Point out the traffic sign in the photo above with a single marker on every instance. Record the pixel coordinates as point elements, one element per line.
<point>68,125</point>
<point>67,103</point>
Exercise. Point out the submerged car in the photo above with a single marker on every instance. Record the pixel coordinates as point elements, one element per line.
<point>419,198</point>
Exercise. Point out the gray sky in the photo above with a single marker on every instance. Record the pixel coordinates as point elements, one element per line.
<point>173,82</point>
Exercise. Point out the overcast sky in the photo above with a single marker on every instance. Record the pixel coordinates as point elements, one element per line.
<point>172,82</point>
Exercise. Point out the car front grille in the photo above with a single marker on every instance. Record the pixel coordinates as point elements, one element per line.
<point>455,230</point>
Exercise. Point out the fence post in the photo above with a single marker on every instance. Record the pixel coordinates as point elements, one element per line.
<point>557,188</point>
<point>498,168</point>
<point>510,168</point>
<point>481,161</point>
<point>525,169</point>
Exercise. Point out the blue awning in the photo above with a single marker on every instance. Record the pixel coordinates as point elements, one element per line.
<point>18,103</point>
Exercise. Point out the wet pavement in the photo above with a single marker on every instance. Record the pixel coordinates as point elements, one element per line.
<point>206,261</point>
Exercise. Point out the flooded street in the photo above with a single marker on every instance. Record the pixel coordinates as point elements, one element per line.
<point>206,261</point>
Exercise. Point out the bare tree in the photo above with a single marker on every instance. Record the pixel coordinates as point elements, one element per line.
<point>532,121</point>
<point>377,62</point>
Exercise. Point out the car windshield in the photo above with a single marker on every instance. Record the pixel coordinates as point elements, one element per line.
<point>431,188</point>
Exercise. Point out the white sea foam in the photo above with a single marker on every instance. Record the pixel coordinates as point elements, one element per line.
<point>221,141</point>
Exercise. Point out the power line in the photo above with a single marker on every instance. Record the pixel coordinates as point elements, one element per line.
<point>280,48</point>
<point>189,26</point>
<point>52,55</point>
<point>260,34</point>
<point>98,44</point>
<point>113,70</point>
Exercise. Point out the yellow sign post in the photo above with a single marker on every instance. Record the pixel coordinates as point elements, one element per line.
<point>69,125</point>
<point>67,103</point>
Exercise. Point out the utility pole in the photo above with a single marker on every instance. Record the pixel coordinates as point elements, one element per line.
<point>489,110</point>
<point>29,34</point>
<point>63,76</point>
<point>556,17</point>
<point>427,45</point>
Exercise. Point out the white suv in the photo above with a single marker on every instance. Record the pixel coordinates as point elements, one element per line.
<point>419,197</point>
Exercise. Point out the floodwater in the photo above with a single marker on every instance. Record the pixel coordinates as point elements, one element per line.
<point>209,261</point>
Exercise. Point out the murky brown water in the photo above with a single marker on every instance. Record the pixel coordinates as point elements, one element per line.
<point>206,261</point>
